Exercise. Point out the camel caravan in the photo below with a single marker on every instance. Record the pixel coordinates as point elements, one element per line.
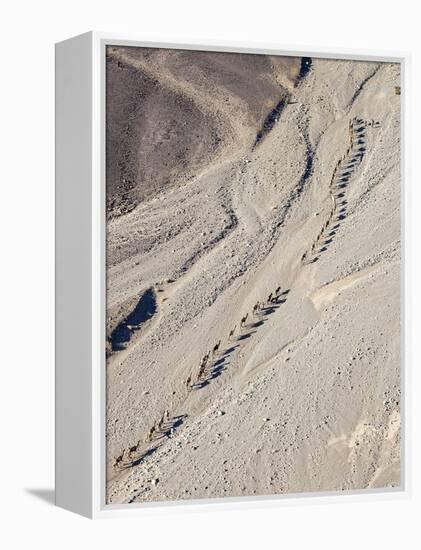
<point>209,360</point>
<point>338,182</point>
<point>166,426</point>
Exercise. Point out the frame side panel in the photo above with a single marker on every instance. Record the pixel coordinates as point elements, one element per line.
<point>73,368</point>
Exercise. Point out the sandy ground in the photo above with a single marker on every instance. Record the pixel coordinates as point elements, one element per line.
<point>305,394</point>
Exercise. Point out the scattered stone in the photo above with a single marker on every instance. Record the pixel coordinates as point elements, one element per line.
<point>155,482</point>
<point>220,413</point>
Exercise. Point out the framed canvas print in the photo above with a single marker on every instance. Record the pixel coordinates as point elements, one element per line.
<point>229,312</point>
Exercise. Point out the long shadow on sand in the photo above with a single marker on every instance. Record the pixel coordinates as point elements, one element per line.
<point>220,364</point>
<point>167,430</point>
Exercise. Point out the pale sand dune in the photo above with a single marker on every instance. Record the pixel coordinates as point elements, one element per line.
<point>308,398</point>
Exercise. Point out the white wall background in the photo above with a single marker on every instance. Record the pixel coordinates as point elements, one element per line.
<point>28,32</point>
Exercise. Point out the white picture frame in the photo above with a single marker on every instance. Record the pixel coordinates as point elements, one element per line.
<point>80,275</point>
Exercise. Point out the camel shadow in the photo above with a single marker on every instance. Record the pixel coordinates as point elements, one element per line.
<point>242,337</point>
<point>229,350</point>
<point>141,458</point>
<point>167,431</point>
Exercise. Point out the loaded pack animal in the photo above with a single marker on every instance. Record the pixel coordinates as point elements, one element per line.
<point>216,348</point>
<point>151,433</point>
<point>202,367</point>
<point>134,449</point>
<point>201,371</point>
<point>119,459</point>
<point>160,423</point>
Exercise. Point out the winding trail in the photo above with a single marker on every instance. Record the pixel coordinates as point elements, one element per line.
<point>215,362</point>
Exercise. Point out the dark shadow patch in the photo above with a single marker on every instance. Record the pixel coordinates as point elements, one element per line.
<point>229,350</point>
<point>219,362</point>
<point>141,458</point>
<point>46,495</point>
<point>270,121</point>
<point>305,68</point>
<point>245,336</point>
<point>143,311</point>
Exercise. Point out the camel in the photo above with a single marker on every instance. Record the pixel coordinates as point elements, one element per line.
<point>119,459</point>
<point>201,371</point>
<point>151,434</point>
<point>161,422</point>
<point>243,320</point>
<point>188,381</point>
<point>232,332</point>
<point>270,298</point>
<point>216,347</point>
<point>303,257</point>
<point>134,448</point>
<point>256,308</point>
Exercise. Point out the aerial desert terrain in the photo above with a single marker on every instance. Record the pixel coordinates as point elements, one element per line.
<point>253,275</point>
